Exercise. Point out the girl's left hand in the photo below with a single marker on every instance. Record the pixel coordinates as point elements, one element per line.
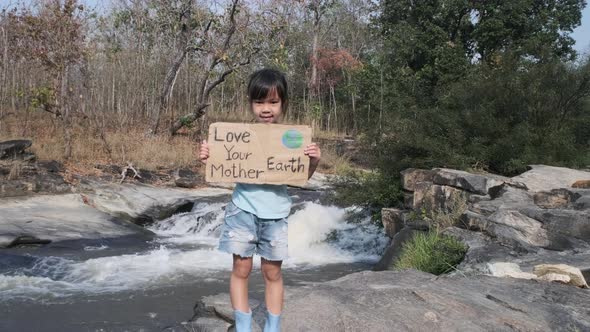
<point>314,153</point>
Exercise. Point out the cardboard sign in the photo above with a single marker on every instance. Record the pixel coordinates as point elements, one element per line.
<point>258,153</point>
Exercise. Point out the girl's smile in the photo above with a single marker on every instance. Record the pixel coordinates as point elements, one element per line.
<point>269,109</point>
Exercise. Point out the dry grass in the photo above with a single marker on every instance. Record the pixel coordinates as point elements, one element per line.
<point>88,149</point>
<point>130,144</point>
<point>15,170</point>
<point>442,219</point>
<point>333,163</point>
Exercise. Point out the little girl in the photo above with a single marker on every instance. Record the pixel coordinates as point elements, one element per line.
<point>256,218</point>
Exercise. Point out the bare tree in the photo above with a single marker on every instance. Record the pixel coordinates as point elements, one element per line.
<point>221,60</point>
<point>53,38</point>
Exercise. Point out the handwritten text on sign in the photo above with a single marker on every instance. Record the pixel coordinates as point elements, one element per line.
<point>258,153</point>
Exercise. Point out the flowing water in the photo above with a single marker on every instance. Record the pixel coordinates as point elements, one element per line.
<point>130,284</point>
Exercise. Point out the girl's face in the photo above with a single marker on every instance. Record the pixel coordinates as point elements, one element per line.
<point>268,109</point>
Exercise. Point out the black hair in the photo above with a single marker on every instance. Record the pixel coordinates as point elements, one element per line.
<point>263,81</point>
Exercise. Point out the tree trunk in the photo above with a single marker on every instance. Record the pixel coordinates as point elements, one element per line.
<point>167,88</point>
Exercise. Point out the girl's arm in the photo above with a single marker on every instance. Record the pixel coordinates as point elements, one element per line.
<point>315,154</point>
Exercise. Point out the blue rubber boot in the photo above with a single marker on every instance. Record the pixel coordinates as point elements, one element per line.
<point>273,322</point>
<point>243,321</point>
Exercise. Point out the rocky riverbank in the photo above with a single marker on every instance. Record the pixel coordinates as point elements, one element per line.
<point>513,228</point>
<point>42,203</point>
<point>528,240</point>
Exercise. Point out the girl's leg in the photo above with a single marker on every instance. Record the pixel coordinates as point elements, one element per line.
<point>238,284</point>
<point>273,279</point>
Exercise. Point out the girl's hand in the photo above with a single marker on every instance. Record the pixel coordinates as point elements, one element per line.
<point>314,153</point>
<point>204,151</point>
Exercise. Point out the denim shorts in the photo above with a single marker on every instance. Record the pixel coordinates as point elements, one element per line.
<point>244,234</point>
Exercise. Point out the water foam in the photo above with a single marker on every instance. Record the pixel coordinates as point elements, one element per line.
<point>318,235</point>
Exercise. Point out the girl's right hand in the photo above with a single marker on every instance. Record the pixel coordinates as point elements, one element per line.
<point>204,151</point>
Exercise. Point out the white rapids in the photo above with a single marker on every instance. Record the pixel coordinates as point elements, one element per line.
<point>185,249</point>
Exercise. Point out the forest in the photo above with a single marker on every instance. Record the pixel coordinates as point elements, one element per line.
<point>478,85</point>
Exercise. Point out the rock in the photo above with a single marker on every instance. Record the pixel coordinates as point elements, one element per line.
<point>481,250</point>
<point>473,221</point>
<point>206,324</point>
<point>185,178</point>
<point>515,229</point>
<point>566,229</point>
<point>575,275</point>
<point>14,148</point>
<point>393,252</point>
<point>515,218</point>
<point>555,199</point>
<point>15,188</point>
<point>478,198</point>
<point>51,166</point>
<point>393,220</point>
<point>213,313</point>
<point>27,240</point>
<point>505,198</point>
<point>51,183</point>
<point>433,197</point>
<point>508,227</point>
<point>411,176</point>
<point>581,184</point>
<point>475,183</point>
<point>44,183</point>
<point>512,270</point>
<point>582,199</point>
<point>416,301</point>
<point>408,200</point>
<point>40,219</point>
<point>547,178</point>
<point>564,279</point>
<point>143,204</point>
<point>109,168</point>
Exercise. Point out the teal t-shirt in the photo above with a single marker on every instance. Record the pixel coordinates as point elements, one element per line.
<point>266,201</point>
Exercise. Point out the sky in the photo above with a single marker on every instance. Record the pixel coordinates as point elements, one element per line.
<point>581,35</point>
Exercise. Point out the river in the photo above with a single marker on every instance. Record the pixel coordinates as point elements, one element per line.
<point>137,284</point>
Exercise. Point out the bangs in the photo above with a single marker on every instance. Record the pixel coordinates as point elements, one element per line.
<point>263,91</point>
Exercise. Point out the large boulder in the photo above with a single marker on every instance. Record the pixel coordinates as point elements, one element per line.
<point>141,203</point>
<point>517,230</point>
<point>44,219</point>
<point>42,183</point>
<point>416,301</point>
<point>394,251</point>
<point>412,176</point>
<point>186,178</point>
<point>393,220</point>
<point>573,274</point>
<point>484,251</point>
<point>14,149</point>
<point>474,183</point>
<point>430,197</point>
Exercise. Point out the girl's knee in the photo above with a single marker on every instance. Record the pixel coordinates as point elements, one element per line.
<point>242,267</point>
<point>272,273</point>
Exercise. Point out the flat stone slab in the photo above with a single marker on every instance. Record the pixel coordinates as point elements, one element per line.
<point>57,218</point>
<point>416,301</point>
<point>547,178</point>
<point>142,203</point>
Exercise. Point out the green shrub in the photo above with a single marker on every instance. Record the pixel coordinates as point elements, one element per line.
<point>431,252</point>
<point>370,190</point>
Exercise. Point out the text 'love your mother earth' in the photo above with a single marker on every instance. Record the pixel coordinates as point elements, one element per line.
<point>258,153</point>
